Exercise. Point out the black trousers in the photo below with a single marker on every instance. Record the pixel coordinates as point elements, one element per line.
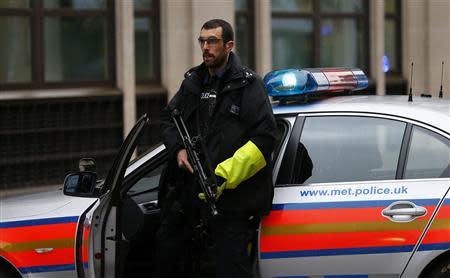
<point>176,242</point>
<point>232,236</point>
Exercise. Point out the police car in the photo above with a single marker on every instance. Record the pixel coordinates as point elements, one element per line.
<point>361,190</point>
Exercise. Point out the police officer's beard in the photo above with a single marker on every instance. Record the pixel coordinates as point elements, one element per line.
<point>218,62</point>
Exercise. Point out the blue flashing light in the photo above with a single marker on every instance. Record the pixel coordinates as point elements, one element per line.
<point>361,78</point>
<point>288,82</point>
<point>326,30</point>
<point>297,82</point>
<point>386,63</point>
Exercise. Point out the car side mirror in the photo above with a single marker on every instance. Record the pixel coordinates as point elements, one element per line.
<point>81,184</point>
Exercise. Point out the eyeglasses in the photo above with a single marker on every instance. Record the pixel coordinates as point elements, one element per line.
<point>210,40</point>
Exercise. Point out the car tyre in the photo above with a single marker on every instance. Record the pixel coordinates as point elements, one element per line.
<point>440,270</point>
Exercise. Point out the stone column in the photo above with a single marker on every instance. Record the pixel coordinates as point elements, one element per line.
<point>414,43</point>
<point>263,36</point>
<point>377,47</point>
<point>125,61</point>
<point>176,49</point>
<point>438,47</point>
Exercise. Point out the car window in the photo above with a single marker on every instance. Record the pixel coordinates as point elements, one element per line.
<point>348,148</point>
<point>146,188</point>
<point>428,155</point>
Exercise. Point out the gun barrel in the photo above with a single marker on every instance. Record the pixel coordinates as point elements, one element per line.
<point>207,187</point>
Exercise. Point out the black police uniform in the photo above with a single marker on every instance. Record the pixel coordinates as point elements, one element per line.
<point>241,112</point>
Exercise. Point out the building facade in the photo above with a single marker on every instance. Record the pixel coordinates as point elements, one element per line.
<point>75,74</point>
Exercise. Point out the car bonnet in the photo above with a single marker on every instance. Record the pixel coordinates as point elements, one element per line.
<point>42,205</point>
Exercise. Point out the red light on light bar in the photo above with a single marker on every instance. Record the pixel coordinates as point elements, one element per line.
<point>340,79</point>
<point>291,83</point>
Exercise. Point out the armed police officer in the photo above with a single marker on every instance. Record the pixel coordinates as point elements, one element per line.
<point>227,112</point>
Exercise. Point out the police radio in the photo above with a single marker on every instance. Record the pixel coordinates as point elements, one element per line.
<point>208,185</point>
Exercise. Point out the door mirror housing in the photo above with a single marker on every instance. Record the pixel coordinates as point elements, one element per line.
<point>81,184</point>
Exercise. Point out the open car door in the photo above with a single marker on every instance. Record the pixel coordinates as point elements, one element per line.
<point>105,231</point>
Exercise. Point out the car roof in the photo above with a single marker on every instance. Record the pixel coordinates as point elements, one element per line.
<point>432,111</point>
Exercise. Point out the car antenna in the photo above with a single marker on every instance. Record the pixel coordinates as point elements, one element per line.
<point>410,87</point>
<point>442,75</point>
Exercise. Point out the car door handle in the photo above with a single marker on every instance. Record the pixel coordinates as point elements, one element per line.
<point>150,207</point>
<point>403,211</point>
<point>113,238</point>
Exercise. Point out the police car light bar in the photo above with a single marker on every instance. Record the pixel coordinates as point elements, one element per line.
<point>298,82</point>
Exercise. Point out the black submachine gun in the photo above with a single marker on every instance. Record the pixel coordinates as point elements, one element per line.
<point>207,184</point>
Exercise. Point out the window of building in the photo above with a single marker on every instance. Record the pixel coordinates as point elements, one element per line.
<point>146,32</point>
<point>75,40</point>
<point>15,42</point>
<point>322,33</point>
<point>47,43</point>
<point>392,38</point>
<point>244,36</point>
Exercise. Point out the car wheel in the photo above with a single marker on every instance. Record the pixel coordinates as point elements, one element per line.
<point>440,270</point>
